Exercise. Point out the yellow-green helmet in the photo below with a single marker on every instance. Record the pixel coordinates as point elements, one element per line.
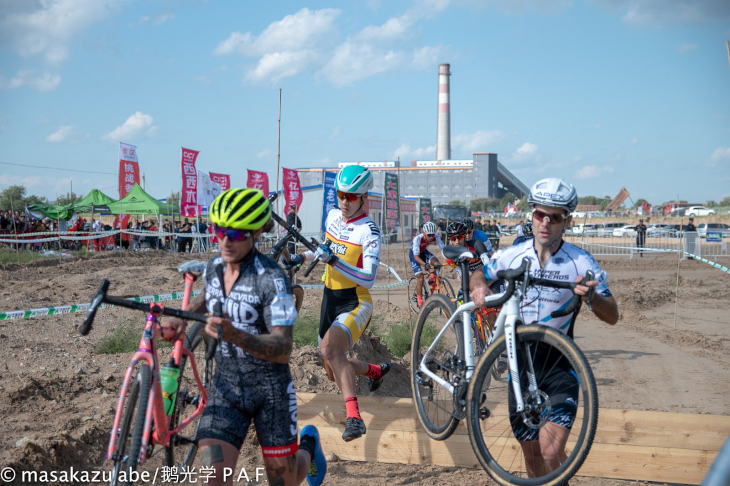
<point>244,209</point>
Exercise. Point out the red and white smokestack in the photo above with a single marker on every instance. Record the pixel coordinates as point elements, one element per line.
<point>443,135</point>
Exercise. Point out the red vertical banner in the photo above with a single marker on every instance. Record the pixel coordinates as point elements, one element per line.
<point>128,177</point>
<point>292,189</point>
<point>223,179</point>
<point>258,180</point>
<point>189,192</point>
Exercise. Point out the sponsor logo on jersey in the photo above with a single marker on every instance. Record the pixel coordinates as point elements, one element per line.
<point>558,260</point>
<point>292,408</point>
<point>259,267</point>
<point>243,297</point>
<point>246,314</point>
<point>280,285</point>
<point>338,249</point>
<point>215,283</point>
<point>243,288</point>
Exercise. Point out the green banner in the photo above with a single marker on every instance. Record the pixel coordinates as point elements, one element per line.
<point>425,212</point>
<point>392,201</point>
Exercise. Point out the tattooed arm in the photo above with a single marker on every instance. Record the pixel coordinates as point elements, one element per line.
<point>274,346</point>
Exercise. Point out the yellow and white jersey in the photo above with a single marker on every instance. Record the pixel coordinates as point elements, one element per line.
<point>356,243</point>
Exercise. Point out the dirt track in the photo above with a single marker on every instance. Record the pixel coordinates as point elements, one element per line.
<point>57,396</point>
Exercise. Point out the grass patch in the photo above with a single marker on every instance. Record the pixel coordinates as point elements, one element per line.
<point>125,339</point>
<point>306,330</point>
<point>8,255</point>
<point>398,339</point>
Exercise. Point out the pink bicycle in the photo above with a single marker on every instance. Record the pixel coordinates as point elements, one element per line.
<point>148,416</point>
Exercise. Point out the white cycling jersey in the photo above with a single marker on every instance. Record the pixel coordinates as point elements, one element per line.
<point>566,265</point>
<point>419,245</point>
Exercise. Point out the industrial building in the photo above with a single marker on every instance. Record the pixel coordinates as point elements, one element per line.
<point>440,180</point>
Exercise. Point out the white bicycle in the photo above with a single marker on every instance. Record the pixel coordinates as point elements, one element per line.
<point>448,385</point>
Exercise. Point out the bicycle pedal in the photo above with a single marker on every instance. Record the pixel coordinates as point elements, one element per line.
<point>192,400</point>
<point>484,413</point>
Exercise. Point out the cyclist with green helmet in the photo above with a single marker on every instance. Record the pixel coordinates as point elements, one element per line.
<point>252,380</point>
<point>352,252</point>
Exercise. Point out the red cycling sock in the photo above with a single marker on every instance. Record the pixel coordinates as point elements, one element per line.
<point>374,371</point>
<point>420,299</point>
<point>352,408</point>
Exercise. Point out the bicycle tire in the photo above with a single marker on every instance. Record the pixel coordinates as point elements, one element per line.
<point>197,341</point>
<point>412,301</point>
<point>436,414</point>
<point>129,446</point>
<point>298,293</point>
<point>494,422</point>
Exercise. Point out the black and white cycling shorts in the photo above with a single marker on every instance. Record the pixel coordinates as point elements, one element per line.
<point>265,396</point>
<point>562,387</point>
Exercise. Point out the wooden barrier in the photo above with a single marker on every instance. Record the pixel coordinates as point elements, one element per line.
<point>629,444</point>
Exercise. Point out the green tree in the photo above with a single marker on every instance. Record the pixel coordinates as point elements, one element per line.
<point>12,197</point>
<point>174,198</point>
<point>725,201</point>
<point>477,204</point>
<point>523,205</point>
<point>33,199</point>
<point>712,204</point>
<point>639,203</point>
<point>69,198</point>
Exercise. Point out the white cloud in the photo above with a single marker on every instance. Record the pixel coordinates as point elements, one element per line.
<point>676,12</point>
<point>634,141</point>
<point>67,133</point>
<point>528,152</point>
<point>135,126</point>
<point>593,171</point>
<point>404,153</point>
<point>336,132</point>
<point>519,7</point>
<point>478,141</point>
<point>33,79</point>
<point>204,80</point>
<point>157,19</point>
<point>275,66</point>
<point>597,126</point>
<point>264,154</point>
<point>46,27</point>
<point>723,153</point>
<point>687,48</point>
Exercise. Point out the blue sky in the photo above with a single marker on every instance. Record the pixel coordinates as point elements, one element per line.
<point>604,93</point>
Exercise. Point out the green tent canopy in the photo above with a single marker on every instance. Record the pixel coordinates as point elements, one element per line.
<point>94,201</point>
<point>137,201</point>
<point>53,212</point>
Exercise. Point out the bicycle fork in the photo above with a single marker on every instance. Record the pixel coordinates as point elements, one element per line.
<point>507,323</point>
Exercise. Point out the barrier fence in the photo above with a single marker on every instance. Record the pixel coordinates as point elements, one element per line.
<point>689,244</point>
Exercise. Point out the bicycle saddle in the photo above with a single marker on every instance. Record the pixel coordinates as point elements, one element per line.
<point>196,267</point>
<point>460,252</point>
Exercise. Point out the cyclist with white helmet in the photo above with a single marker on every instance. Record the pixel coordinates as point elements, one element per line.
<point>352,252</point>
<point>552,200</point>
<point>420,256</point>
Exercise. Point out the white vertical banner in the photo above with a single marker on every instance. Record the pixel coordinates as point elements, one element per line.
<point>207,190</point>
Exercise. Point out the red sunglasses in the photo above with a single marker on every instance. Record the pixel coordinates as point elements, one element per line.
<point>233,234</point>
<point>347,195</point>
<point>552,218</point>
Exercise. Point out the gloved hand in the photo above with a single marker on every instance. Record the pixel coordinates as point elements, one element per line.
<point>294,261</point>
<point>325,255</point>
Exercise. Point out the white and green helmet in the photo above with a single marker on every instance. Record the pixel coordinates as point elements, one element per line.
<point>354,179</point>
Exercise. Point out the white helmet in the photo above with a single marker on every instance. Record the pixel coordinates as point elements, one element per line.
<point>555,193</point>
<point>430,228</point>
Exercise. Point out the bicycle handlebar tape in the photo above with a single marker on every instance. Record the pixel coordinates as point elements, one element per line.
<point>218,312</point>
<point>95,303</point>
<point>572,307</point>
<point>514,273</point>
<point>507,294</point>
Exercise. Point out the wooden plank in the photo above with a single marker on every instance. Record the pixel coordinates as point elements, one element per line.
<point>638,445</point>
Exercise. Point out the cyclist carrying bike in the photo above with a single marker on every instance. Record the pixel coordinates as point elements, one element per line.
<point>252,378</point>
<point>552,200</point>
<point>420,256</point>
<point>353,255</point>
<point>457,235</point>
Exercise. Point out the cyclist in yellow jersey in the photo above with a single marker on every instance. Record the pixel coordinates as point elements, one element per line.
<point>352,251</point>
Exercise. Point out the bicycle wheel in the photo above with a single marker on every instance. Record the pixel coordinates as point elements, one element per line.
<point>129,439</point>
<point>188,396</point>
<point>298,293</point>
<point>558,365</point>
<point>435,405</point>
<point>412,300</point>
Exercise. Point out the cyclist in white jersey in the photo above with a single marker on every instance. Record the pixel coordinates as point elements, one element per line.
<point>420,255</point>
<point>552,201</point>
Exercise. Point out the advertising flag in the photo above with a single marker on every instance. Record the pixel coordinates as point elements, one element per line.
<point>223,179</point>
<point>128,177</point>
<point>330,196</point>
<point>425,212</point>
<point>208,190</point>
<point>189,192</point>
<point>392,201</point>
<point>258,180</point>
<point>292,189</point>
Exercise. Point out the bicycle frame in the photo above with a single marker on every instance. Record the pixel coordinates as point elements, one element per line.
<point>507,321</point>
<point>155,406</point>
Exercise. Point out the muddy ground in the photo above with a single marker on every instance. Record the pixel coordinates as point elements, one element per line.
<point>57,396</point>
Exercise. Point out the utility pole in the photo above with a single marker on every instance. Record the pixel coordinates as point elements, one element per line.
<point>727,46</point>
<point>278,160</point>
